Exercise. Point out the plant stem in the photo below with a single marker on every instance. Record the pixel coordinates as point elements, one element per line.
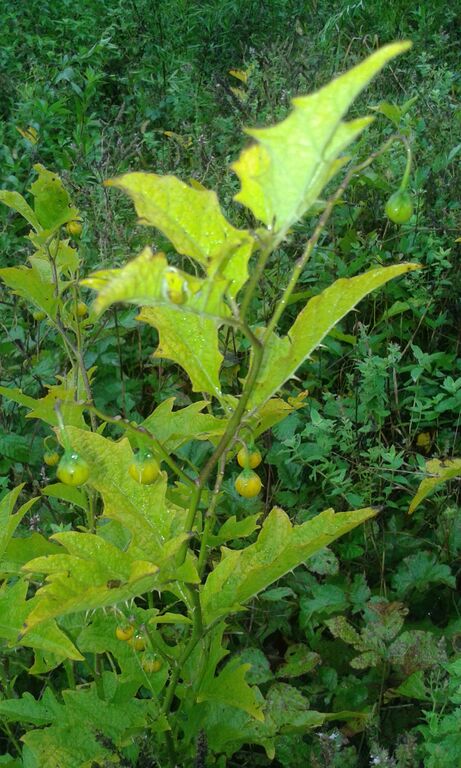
<point>210,517</point>
<point>225,441</point>
<point>196,636</point>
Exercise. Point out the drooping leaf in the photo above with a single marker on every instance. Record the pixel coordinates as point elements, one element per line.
<point>231,688</point>
<point>284,172</point>
<point>52,202</point>
<point>440,471</point>
<point>280,547</point>
<point>283,355</point>
<point>9,521</point>
<point>31,285</point>
<point>44,408</point>
<point>192,220</point>
<point>48,637</point>
<point>16,201</point>
<point>186,313</point>
<point>192,342</point>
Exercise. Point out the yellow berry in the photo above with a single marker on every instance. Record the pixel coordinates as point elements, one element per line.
<point>51,458</point>
<point>144,469</point>
<point>248,484</point>
<point>74,228</point>
<point>249,458</point>
<point>151,665</point>
<point>137,642</point>
<point>124,633</point>
<point>81,309</point>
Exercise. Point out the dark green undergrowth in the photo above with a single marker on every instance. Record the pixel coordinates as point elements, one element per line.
<point>94,89</point>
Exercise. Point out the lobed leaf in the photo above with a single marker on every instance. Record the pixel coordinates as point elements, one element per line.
<point>284,172</point>
<point>441,470</point>
<point>192,220</point>
<point>280,547</point>
<point>283,355</point>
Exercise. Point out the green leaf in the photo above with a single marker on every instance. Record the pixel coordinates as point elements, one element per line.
<point>48,638</point>
<point>192,220</point>
<point>441,471</point>
<point>82,732</point>
<point>280,547</point>
<point>27,710</point>
<point>283,356</point>
<point>32,285</point>
<point>67,493</point>
<point>235,529</point>
<point>52,202</point>
<point>44,409</point>
<point>260,671</point>
<point>230,688</point>
<point>340,627</point>
<point>6,761</point>
<point>16,201</point>
<point>94,574</point>
<point>97,572</point>
<point>19,551</point>
<point>15,447</point>
<point>299,660</point>
<point>141,509</point>
<point>186,312</point>
<point>413,687</point>
<point>284,172</point>
<point>192,342</point>
<point>175,428</point>
<point>143,281</point>
<point>9,521</point>
<point>286,711</point>
<point>420,570</point>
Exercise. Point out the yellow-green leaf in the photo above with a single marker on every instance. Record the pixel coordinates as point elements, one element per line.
<point>440,471</point>
<point>284,172</point>
<point>192,220</point>
<point>52,202</point>
<point>16,201</point>
<point>280,547</point>
<point>283,355</point>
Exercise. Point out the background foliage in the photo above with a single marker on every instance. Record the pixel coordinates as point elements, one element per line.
<point>93,90</point>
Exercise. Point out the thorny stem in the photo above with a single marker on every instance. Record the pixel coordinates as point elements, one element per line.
<point>76,350</point>
<point>196,636</point>
<point>210,516</point>
<point>225,441</point>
